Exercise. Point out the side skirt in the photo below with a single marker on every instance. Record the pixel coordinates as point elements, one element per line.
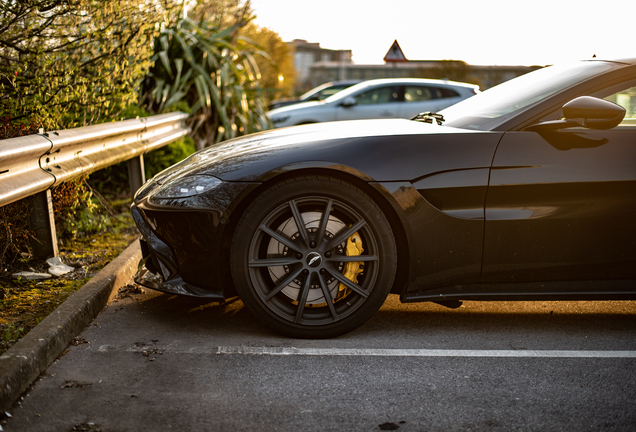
<point>529,291</point>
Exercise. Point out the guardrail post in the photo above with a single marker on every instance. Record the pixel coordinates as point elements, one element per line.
<point>136,174</point>
<point>43,224</point>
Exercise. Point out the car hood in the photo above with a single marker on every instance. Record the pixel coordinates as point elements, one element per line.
<point>371,149</point>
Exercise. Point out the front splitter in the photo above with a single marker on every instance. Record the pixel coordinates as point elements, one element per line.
<point>175,285</point>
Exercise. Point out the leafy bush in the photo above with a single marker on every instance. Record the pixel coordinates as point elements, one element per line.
<point>15,233</point>
<point>11,129</point>
<point>68,63</point>
<point>76,209</point>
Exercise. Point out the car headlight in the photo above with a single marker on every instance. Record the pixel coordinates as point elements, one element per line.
<point>183,187</point>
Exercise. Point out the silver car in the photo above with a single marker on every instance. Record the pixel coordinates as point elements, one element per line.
<point>319,93</point>
<point>374,99</point>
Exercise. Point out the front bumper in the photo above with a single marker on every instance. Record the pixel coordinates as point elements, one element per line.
<point>174,284</point>
<point>186,240</point>
<point>159,267</point>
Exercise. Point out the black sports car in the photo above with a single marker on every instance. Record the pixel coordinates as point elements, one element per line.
<point>524,192</point>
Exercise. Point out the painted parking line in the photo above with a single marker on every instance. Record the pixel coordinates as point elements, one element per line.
<point>281,351</point>
<point>378,352</point>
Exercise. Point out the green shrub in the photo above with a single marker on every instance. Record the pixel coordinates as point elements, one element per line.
<point>69,63</point>
<point>15,232</point>
<point>77,212</point>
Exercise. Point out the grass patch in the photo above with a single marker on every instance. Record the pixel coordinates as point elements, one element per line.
<point>24,303</point>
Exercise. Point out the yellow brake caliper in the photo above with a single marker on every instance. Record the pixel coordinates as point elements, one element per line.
<point>352,269</point>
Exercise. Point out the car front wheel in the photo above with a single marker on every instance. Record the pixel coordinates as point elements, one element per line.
<point>313,257</point>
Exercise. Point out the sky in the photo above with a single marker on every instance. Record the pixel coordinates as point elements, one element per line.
<point>484,32</point>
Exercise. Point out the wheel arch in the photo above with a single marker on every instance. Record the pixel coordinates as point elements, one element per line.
<point>350,176</point>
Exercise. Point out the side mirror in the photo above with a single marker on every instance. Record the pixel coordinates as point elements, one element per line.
<point>586,111</point>
<point>349,102</point>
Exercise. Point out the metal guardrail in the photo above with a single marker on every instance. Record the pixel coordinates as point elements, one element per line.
<point>31,165</point>
<point>34,163</point>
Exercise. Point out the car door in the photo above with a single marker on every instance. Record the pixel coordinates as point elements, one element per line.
<point>561,205</point>
<point>378,102</point>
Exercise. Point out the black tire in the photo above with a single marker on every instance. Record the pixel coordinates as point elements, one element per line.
<point>303,283</point>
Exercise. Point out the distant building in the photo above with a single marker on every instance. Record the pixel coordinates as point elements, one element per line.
<point>316,65</point>
<point>307,54</point>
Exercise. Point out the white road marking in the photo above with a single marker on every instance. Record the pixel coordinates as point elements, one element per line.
<point>420,352</point>
<point>370,352</point>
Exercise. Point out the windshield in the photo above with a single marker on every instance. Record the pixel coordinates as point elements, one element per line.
<point>314,90</point>
<point>495,106</point>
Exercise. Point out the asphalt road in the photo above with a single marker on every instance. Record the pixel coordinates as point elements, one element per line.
<point>155,362</point>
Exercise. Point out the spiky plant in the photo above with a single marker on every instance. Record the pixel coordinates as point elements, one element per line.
<point>212,70</point>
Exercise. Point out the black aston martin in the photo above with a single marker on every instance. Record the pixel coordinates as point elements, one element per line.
<point>526,191</point>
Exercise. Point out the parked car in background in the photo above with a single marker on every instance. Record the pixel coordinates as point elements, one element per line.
<point>319,93</point>
<point>380,98</point>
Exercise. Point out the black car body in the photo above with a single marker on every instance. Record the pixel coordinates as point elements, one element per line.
<point>504,201</point>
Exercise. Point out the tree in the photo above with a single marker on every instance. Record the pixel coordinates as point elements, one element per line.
<point>278,72</point>
<point>223,13</point>
<point>68,63</point>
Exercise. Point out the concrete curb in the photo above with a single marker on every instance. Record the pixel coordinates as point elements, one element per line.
<point>31,355</point>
